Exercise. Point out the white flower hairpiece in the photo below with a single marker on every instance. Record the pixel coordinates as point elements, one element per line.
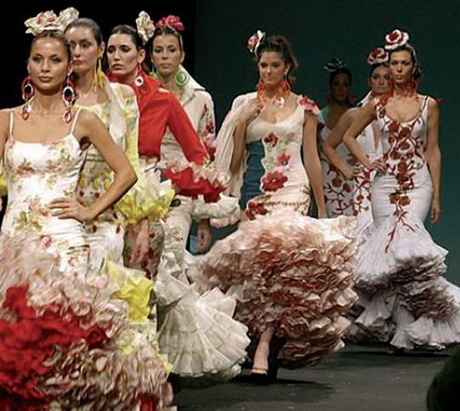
<point>145,26</point>
<point>377,56</point>
<point>255,40</point>
<point>334,65</point>
<point>396,38</point>
<point>47,20</point>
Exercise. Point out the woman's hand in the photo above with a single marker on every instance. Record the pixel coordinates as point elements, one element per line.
<point>435,210</point>
<point>352,173</point>
<point>251,111</point>
<point>141,245</point>
<point>378,165</point>
<point>204,235</point>
<point>71,208</point>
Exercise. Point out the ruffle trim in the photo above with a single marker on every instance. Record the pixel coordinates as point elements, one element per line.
<point>410,255</point>
<point>194,180</point>
<point>290,271</point>
<point>146,201</point>
<point>77,340</point>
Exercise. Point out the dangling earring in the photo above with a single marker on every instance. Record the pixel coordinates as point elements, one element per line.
<point>139,80</point>
<point>28,91</point>
<point>69,97</point>
<point>260,87</point>
<point>99,76</point>
<point>181,78</point>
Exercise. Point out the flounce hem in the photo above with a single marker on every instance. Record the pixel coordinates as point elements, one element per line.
<point>290,271</point>
<point>71,339</point>
<point>397,253</point>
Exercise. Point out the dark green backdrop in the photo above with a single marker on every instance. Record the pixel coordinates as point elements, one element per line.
<point>348,29</point>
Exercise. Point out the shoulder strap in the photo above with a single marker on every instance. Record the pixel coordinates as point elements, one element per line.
<point>75,119</point>
<point>11,123</point>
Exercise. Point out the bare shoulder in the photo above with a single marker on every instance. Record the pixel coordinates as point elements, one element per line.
<point>127,91</point>
<point>5,115</point>
<point>87,119</point>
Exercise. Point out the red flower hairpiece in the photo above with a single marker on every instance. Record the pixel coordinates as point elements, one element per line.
<point>396,38</point>
<point>255,40</point>
<point>172,22</point>
<point>377,56</point>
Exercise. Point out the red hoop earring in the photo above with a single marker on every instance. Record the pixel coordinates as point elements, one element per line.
<point>28,91</point>
<point>69,97</point>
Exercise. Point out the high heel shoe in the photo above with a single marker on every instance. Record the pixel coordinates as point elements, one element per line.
<point>260,376</point>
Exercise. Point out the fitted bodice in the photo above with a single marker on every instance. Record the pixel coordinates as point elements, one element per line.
<point>403,143</point>
<point>38,173</point>
<point>275,176</point>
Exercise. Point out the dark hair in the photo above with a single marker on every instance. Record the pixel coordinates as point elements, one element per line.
<point>136,39</point>
<point>340,70</point>
<point>410,49</point>
<point>374,67</point>
<point>53,34</point>
<point>281,45</point>
<point>90,24</point>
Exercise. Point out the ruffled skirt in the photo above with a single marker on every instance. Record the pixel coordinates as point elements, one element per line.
<point>74,341</point>
<point>292,272</point>
<point>406,301</point>
<point>196,331</point>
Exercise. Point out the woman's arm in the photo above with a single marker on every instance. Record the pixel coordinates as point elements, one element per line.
<point>312,162</point>
<point>364,117</point>
<point>91,128</point>
<point>433,158</point>
<point>335,138</point>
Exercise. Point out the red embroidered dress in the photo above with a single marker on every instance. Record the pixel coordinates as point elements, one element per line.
<point>399,264</point>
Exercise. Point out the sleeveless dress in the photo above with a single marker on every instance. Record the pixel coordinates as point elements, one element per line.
<point>285,268</point>
<point>338,191</point>
<point>70,337</point>
<point>399,265</point>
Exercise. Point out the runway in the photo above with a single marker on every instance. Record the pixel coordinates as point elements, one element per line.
<point>358,378</point>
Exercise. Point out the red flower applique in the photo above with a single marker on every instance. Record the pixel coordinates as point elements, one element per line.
<point>273,181</point>
<point>308,104</point>
<point>253,209</point>
<point>283,160</point>
<point>272,139</point>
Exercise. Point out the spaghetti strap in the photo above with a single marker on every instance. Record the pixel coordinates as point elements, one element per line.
<point>75,119</point>
<point>11,123</point>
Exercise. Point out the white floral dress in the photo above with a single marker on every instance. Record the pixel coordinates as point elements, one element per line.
<point>73,337</point>
<point>400,267</point>
<point>37,174</point>
<point>284,268</point>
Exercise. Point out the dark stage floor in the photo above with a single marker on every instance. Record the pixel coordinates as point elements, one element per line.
<point>359,378</point>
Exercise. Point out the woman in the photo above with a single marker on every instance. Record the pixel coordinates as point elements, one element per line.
<point>166,51</point>
<point>361,177</point>
<point>337,188</point>
<point>399,264</point>
<point>116,105</point>
<point>274,263</point>
<point>70,336</point>
<point>197,332</point>
<point>368,139</point>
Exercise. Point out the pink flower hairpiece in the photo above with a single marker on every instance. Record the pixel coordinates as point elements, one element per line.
<point>48,21</point>
<point>396,38</point>
<point>172,22</point>
<point>377,56</point>
<point>255,40</point>
<point>145,26</point>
